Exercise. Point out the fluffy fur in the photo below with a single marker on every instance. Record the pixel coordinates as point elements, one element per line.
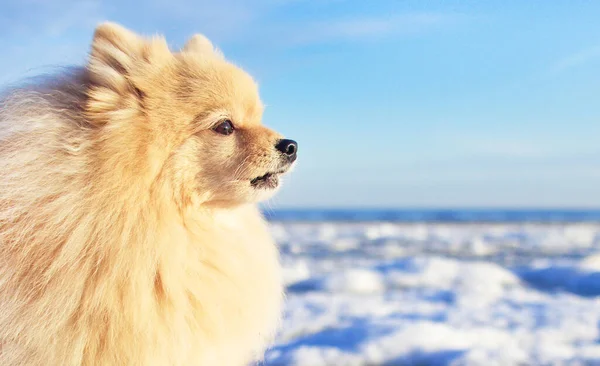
<point>128,231</point>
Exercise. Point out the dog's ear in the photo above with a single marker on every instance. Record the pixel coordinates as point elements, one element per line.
<point>117,53</point>
<point>199,44</point>
<point>119,64</point>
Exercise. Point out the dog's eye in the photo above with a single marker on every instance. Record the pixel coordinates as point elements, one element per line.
<point>224,128</point>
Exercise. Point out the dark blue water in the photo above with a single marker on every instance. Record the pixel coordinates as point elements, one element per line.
<point>436,215</point>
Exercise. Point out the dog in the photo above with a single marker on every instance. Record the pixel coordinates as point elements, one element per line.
<point>130,232</point>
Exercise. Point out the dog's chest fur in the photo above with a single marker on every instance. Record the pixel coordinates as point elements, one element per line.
<point>207,295</point>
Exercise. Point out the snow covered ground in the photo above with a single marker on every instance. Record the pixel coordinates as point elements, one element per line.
<point>436,294</point>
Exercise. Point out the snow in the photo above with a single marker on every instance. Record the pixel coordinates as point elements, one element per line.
<point>439,294</point>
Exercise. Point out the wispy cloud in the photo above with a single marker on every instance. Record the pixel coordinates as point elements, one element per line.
<point>31,27</point>
<point>377,26</point>
<point>222,20</point>
<point>577,59</point>
<point>508,148</point>
<point>37,34</point>
<point>356,28</point>
<point>239,21</point>
<point>225,20</point>
<point>505,145</point>
<point>47,18</point>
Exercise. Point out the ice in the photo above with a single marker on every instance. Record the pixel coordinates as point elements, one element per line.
<point>359,281</point>
<point>439,294</point>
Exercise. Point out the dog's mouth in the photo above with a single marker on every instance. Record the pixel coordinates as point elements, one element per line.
<point>269,180</point>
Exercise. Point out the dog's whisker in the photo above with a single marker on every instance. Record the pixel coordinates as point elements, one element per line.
<point>241,166</point>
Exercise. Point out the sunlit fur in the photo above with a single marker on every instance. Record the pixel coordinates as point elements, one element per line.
<point>128,232</point>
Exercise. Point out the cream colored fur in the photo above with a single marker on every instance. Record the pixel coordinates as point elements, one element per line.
<point>128,232</point>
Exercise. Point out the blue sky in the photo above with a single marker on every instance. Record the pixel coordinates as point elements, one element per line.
<point>393,103</point>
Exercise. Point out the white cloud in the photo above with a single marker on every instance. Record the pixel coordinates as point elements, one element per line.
<point>223,19</point>
<point>508,148</point>
<point>354,28</point>
<point>61,29</point>
<point>82,15</point>
<point>257,22</point>
<point>48,18</point>
<point>384,25</point>
<point>235,21</point>
<point>40,35</point>
<point>576,59</point>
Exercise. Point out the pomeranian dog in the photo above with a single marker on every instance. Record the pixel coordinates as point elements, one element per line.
<point>129,232</point>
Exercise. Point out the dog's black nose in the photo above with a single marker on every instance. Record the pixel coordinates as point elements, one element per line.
<point>288,148</point>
